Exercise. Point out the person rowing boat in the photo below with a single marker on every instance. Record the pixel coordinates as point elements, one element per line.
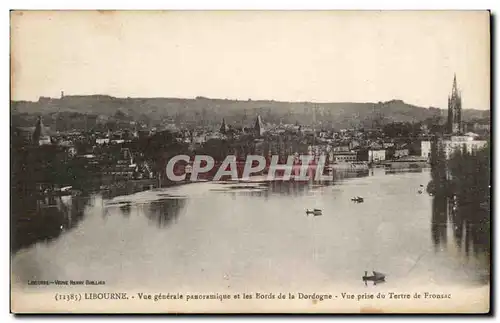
<point>315,212</point>
<point>375,278</point>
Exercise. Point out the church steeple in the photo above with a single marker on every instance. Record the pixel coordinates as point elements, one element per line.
<point>37,133</point>
<point>259,126</point>
<point>454,109</point>
<point>223,128</point>
<point>40,136</point>
<point>454,90</point>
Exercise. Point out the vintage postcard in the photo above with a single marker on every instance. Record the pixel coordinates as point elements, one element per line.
<point>250,162</point>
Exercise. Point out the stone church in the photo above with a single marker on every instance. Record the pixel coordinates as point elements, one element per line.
<point>454,125</point>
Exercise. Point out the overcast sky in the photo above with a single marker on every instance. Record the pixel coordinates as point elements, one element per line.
<point>288,56</point>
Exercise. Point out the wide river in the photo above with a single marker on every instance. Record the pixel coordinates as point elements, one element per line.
<point>253,237</point>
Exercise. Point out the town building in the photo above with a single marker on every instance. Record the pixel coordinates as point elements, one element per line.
<point>376,155</point>
<point>354,144</point>
<point>401,151</point>
<point>102,141</point>
<point>451,144</point>
<point>461,143</point>
<point>341,149</point>
<point>425,148</point>
<point>343,157</point>
<point>388,144</point>
<point>142,134</point>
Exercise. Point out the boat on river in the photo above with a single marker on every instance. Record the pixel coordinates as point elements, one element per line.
<point>315,212</point>
<point>377,277</point>
<point>358,199</point>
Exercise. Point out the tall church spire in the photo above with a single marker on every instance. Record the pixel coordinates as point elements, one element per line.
<point>259,126</point>
<point>40,136</point>
<point>455,89</point>
<point>454,109</point>
<point>223,128</point>
<point>38,131</point>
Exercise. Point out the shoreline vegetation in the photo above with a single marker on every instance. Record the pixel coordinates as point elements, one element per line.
<point>461,190</point>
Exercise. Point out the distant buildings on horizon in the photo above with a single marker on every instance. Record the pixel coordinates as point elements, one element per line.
<point>455,138</point>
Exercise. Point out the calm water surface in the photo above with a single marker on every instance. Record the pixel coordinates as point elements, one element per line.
<point>240,236</point>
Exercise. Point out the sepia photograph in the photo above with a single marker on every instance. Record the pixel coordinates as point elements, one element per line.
<point>250,162</point>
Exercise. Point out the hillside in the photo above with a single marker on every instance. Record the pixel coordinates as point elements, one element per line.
<point>205,111</point>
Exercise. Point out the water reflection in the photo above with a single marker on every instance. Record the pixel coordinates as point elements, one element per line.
<point>43,220</point>
<point>164,211</point>
<point>289,188</point>
<point>272,188</point>
<point>297,188</point>
<point>471,224</point>
<point>222,232</point>
<point>439,221</point>
<point>403,170</point>
<point>463,228</point>
<point>460,207</point>
<point>126,209</point>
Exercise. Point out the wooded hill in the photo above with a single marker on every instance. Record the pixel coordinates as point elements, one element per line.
<point>99,109</point>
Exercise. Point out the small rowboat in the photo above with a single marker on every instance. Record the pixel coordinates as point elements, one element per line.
<point>315,212</point>
<point>375,278</point>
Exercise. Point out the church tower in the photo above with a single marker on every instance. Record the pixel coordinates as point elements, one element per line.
<point>40,136</point>
<point>259,126</point>
<point>223,128</point>
<point>454,110</point>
